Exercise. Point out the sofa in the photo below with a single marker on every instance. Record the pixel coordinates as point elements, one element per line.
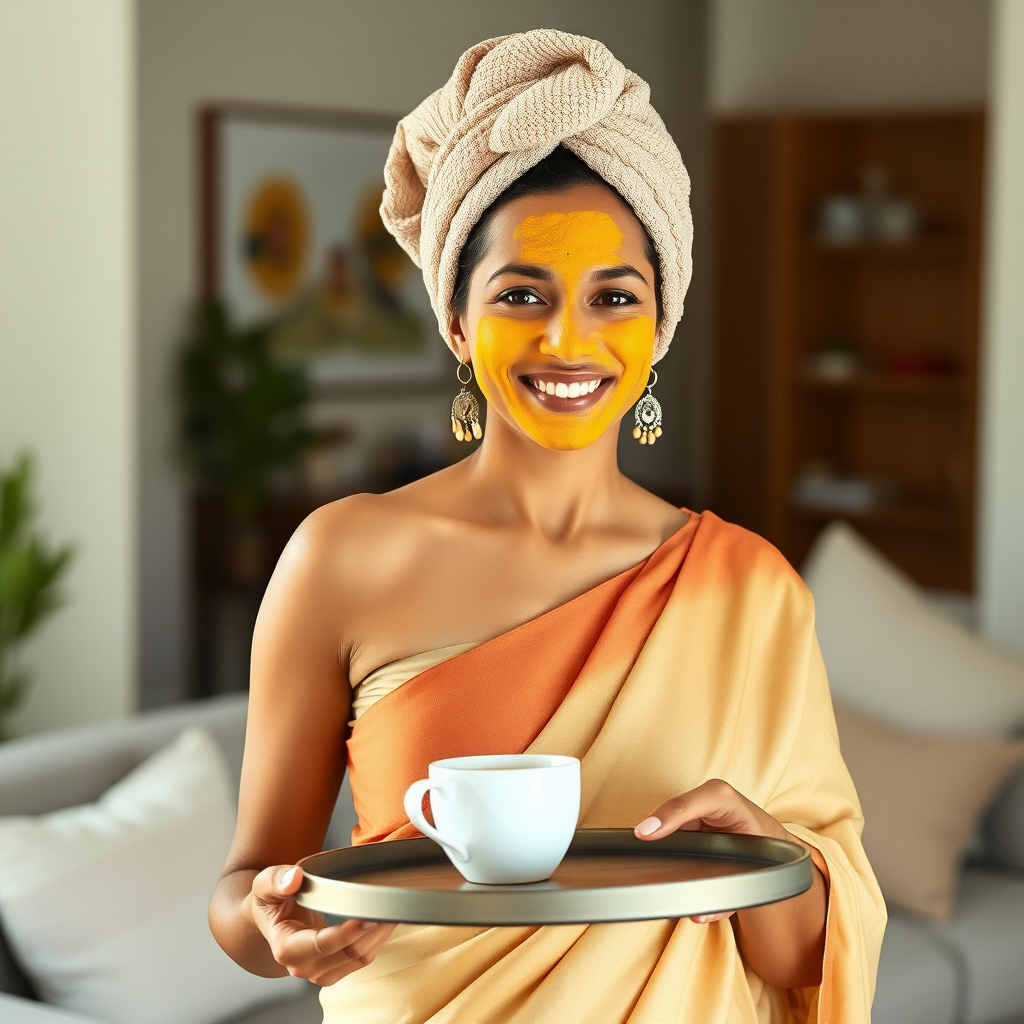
<point>967,971</point>
<point>74,766</point>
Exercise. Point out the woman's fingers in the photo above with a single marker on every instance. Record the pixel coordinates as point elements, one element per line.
<point>316,953</point>
<point>359,954</point>
<point>276,885</point>
<point>715,806</point>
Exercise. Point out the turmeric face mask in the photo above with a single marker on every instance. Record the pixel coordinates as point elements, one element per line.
<point>565,342</point>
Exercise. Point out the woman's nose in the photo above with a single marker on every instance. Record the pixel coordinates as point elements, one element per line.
<point>568,338</point>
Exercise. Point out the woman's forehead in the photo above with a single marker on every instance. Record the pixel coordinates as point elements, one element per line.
<point>580,211</point>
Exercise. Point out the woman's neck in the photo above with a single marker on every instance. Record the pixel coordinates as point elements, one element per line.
<point>558,493</point>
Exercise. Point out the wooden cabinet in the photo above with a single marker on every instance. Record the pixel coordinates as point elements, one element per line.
<point>899,421</point>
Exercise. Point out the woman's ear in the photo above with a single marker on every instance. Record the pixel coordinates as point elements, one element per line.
<point>457,338</point>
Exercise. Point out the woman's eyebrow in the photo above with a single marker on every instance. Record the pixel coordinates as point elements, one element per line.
<point>539,273</point>
<point>523,270</point>
<point>623,270</point>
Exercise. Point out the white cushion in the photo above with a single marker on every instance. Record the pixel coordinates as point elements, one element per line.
<point>891,653</point>
<point>104,904</point>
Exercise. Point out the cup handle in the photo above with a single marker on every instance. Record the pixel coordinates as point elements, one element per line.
<point>414,808</point>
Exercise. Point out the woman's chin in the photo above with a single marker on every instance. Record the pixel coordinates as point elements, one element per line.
<point>565,437</point>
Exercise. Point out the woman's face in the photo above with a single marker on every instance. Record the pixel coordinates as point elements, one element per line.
<point>561,316</point>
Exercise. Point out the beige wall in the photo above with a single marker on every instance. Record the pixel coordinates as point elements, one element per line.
<point>384,55</point>
<point>66,345</point>
<point>833,54</point>
<point>1002,454</point>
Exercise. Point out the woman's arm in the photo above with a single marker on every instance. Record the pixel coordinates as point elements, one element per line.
<point>783,942</point>
<point>299,706</point>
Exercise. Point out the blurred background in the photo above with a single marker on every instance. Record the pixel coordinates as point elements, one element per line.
<point>204,332</point>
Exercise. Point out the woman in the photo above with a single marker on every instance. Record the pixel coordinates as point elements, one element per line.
<point>532,598</point>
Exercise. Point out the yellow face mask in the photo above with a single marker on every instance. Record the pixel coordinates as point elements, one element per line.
<point>570,361</point>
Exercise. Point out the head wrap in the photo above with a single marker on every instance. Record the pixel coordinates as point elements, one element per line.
<point>509,103</point>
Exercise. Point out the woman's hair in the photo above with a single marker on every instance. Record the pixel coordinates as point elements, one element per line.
<point>559,170</point>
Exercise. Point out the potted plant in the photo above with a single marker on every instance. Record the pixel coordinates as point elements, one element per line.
<point>30,575</point>
<point>243,424</point>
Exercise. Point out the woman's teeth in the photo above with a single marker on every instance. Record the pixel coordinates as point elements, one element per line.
<point>563,390</point>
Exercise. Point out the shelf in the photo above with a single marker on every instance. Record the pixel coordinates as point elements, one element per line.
<point>900,385</point>
<point>784,294</point>
<point>931,519</point>
<point>937,246</point>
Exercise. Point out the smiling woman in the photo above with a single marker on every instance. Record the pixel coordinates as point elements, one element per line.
<point>533,599</point>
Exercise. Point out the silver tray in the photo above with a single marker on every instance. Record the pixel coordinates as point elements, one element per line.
<point>607,875</point>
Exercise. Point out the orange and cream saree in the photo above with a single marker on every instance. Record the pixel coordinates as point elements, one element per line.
<point>699,663</point>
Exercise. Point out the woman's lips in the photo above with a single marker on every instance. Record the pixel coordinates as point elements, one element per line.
<point>566,392</point>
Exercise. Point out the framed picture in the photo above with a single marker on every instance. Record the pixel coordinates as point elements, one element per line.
<point>292,235</point>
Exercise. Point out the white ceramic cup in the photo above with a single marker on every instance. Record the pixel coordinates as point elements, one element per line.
<point>503,819</point>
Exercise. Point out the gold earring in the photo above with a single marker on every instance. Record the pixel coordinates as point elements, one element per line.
<point>648,415</point>
<point>466,409</point>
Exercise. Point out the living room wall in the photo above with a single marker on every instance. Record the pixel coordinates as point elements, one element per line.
<point>808,55</point>
<point>66,338</point>
<point>381,56</point>
<point>1002,464</point>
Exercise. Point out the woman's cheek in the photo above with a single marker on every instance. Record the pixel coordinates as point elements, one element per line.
<point>632,344</point>
<point>500,342</point>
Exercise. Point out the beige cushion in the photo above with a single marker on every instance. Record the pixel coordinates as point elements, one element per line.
<point>922,797</point>
<point>892,654</point>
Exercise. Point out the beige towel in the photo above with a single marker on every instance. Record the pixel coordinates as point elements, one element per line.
<point>509,103</point>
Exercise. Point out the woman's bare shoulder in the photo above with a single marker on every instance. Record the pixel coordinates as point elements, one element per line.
<point>369,534</point>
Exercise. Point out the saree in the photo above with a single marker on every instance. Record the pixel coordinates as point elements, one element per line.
<point>699,663</point>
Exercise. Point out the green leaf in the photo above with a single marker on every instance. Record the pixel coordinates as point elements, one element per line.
<point>16,508</point>
<point>30,574</point>
<point>12,690</point>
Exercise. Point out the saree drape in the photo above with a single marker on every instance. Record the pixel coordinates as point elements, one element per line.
<point>699,663</point>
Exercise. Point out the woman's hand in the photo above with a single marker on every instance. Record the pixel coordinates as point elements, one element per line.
<point>783,942</point>
<point>712,807</point>
<point>298,939</point>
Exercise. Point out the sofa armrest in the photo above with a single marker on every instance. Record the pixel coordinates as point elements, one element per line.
<point>1004,824</point>
<point>15,1010</point>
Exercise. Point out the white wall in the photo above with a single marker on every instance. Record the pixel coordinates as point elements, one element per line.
<point>66,338</point>
<point>384,55</point>
<point>1002,457</point>
<point>833,54</point>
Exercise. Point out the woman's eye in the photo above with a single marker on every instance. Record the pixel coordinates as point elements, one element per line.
<point>616,297</point>
<point>519,297</point>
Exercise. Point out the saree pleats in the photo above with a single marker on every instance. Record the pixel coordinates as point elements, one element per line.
<point>700,663</point>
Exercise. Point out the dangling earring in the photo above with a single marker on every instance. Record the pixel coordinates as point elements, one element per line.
<point>648,415</point>
<point>466,410</point>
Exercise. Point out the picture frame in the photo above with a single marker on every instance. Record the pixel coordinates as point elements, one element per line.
<point>291,235</point>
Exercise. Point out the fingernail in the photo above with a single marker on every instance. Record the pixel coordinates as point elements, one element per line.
<point>369,924</point>
<point>288,877</point>
<point>700,918</point>
<point>648,825</point>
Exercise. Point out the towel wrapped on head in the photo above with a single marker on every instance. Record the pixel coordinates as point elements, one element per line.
<point>509,103</point>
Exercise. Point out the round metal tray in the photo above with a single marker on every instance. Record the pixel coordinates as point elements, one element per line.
<point>607,875</point>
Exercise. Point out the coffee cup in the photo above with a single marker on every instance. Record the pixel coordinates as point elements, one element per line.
<point>502,819</point>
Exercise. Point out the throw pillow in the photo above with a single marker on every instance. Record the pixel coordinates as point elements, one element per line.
<point>922,798</point>
<point>104,905</point>
<point>894,655</point>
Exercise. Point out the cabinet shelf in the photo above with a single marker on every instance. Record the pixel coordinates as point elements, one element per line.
<point>930,519</point>
<point>939,246</point>
<point>899,385</point>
